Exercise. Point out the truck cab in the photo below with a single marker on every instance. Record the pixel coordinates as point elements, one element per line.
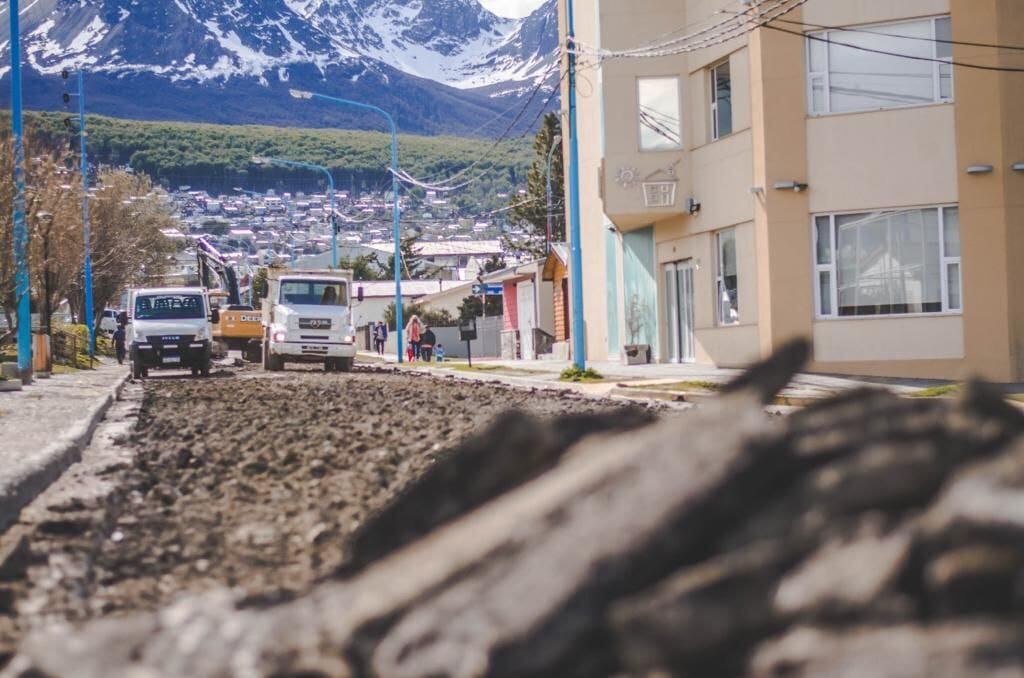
<point>169,328</point>
<point>307,318</point>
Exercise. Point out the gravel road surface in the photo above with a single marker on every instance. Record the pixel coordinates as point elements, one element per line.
<point>247,479</point>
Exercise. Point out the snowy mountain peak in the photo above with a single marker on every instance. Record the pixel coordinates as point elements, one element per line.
<point>458,44</point>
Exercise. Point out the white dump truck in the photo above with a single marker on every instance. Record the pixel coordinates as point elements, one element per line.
<point>307,318</point>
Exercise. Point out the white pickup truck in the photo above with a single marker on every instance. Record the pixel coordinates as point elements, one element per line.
<point>169,328</point>
<point>307,317</point>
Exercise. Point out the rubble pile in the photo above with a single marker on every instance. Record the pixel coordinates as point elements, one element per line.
<point>868,535</point>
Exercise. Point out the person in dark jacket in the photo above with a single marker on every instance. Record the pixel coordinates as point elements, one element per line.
<point>119,339</point>
<point>380,337</point>
<point>427,341</point>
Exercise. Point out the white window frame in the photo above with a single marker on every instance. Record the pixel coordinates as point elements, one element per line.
<point>713,74</point>
<point>832,267</point>
<point>825,80</point>
<point>720,279</point>
<point>639,122</point>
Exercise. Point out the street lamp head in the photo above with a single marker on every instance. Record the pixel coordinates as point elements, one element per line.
<point>300,94</point>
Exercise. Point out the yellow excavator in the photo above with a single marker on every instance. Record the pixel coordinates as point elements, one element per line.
<point>240,327</point>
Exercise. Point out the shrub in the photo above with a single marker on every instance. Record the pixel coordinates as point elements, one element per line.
<point>576,374</point>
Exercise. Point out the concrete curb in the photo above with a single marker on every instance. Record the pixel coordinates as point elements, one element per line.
<point>54,459</point>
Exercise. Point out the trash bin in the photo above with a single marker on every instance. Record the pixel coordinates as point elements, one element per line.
<point>41,360</point>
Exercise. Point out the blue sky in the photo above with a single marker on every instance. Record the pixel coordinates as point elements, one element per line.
<point>515,8</point>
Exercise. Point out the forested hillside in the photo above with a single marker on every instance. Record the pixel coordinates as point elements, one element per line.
<point>218,158</point>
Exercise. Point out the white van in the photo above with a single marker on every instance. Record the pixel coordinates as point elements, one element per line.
<point>169,328</point>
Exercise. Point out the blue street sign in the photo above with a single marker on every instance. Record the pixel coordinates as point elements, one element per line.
<point>491,290</point>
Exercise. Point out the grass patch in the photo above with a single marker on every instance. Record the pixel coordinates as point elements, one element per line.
<point>575,374</point>
<point>694,385</point>
<point>495,369</point>
<point>937,391</point>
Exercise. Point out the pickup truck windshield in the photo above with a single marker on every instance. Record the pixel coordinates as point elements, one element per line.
<point>314,293</point>
<point>169,307</point>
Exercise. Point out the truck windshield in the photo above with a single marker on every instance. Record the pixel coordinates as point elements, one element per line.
<point>314,293</point>
<point>169,307</point>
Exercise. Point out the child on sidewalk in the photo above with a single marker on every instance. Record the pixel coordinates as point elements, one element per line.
<point>439,353</point>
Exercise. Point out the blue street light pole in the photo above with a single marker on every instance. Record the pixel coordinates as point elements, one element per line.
<point>86,229</point>
<point>330,195</point>
<point>21,279</point>
<point>579,344</point>
<point>399,320</point>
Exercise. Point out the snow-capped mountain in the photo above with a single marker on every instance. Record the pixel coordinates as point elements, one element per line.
<point>442,65</point>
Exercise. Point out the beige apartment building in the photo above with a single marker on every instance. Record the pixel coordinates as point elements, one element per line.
<point>817,185</point>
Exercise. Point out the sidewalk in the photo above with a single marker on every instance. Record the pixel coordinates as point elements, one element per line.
<point>672,382</point>
<point>44,427</point>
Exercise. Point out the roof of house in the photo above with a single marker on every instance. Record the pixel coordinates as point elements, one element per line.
<point>448,247</point>
<point>410,288</point>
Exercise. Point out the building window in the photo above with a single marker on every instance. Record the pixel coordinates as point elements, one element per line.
<point>887,263</point>
<point>660,121</point>
<point>727,278</point>
<point>721,101</point>
<point>841,78</point>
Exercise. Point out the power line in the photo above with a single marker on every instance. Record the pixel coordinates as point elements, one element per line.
<point>724,31</point>
<point>870,31</point>
<point>818,38</point>
<point>444,186</point>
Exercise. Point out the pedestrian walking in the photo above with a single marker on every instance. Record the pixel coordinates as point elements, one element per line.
<point>413,334</point>
<point>119,348</point>
<point>439,353</point>
<point>380,337</point>
<point>427,341</point>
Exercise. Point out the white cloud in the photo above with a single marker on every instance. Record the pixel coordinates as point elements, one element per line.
<point>511,8</point>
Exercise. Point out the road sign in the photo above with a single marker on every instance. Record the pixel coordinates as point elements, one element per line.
<point>489,290</point>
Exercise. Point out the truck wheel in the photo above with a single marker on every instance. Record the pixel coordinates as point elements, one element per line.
<point>345,364</point>
<point>205,369</point>
<point>195,371</point>
<point>138,371</point>
<point>252,353</point>
<point>329,365</point>
<point>266,356</point>
<point>275,363</point>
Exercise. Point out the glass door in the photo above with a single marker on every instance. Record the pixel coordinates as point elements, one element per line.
<point>679,310</point>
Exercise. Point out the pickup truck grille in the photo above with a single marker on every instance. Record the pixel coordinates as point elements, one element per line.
<point>314,323</point>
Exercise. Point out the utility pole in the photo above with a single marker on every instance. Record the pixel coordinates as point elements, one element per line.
<point>555,142</point>
<point>21,279</point>
<point>579,344</point>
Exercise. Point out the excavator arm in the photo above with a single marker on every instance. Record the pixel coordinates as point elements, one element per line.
<point>213,262</point>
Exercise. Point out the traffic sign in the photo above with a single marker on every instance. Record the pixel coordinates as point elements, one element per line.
<point>490,290</point>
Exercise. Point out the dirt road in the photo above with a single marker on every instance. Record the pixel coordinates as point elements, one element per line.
<point>246,479</point>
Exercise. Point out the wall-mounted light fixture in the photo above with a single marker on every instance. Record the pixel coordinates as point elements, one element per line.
<point>980,169</point>
<point>692,206</point>
<point>794,186</point>
<point>1017,167</point>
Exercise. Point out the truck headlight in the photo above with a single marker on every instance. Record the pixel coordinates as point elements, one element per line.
<point>349,339</point>
<point>140,336</point>
<point>280,337</point>
<point>202,334</point>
